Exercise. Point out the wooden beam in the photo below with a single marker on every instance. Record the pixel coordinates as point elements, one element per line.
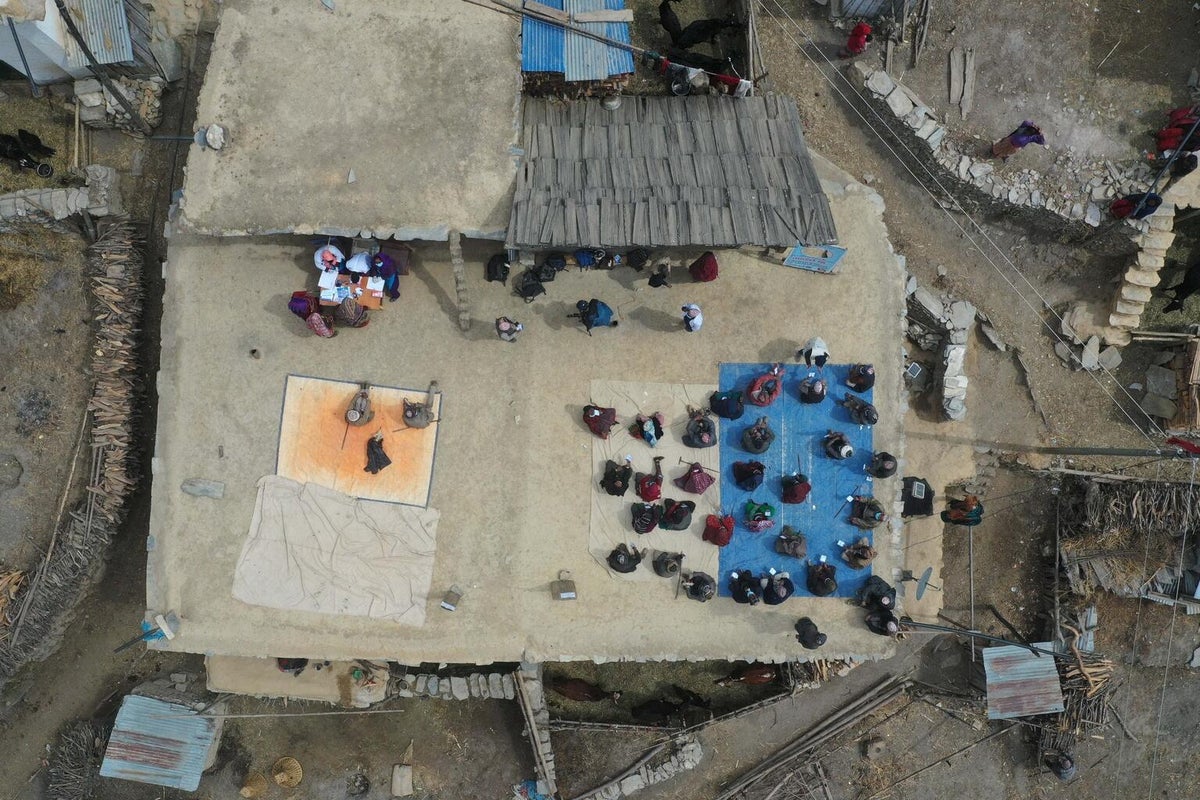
<point>604,15</point>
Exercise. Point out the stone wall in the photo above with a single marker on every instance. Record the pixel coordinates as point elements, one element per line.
<point>1070,213</point>
<point>100,197</point>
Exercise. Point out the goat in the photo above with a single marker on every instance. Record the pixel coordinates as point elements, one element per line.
<point>705,30</point>
<point>669,21</point>
<point>1184,289</point>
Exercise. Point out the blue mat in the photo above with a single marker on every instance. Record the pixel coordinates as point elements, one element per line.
<point>799,429</point>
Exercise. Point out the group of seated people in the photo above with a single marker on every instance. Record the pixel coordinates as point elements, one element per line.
<point>327,309</point>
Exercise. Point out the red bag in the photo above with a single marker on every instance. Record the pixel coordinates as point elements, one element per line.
<point>718,530</point>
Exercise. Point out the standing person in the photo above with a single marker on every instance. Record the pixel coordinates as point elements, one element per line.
<point>1026,133</point>
<point>807,634</point>
<point>856,43</point>
<point>594,314</point>
<point>507,329</point>
<point>1127,207</point>
<point>814,351</point>
<point>692,318</point>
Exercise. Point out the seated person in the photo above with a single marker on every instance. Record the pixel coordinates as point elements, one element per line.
<point>822,580</point>
<point>744,587</point>
<point>813,390</point>
<point>967,511</point>
<point>758,437</point>
<point>648,428</point>
<point>861,412</point>
<point>616,477</point>
<point>791,542</point>
<point>837,446</point>
<point>877,594</point>
<point>883,465</point>
<point>866,513</point>
<point>359,264</point>
<point>624,559</point>
<point>701,431</point>
<point>860,554</point>
<point>649,485</point>
<point>329,258</point>
<point>882,622</point>
<point>861,378</point>
<point>700,587</point>
<point>796,488</point>
<point>807,634</point>
<point>777,587</point>
<point>384,266</point>
<point>766,387</point>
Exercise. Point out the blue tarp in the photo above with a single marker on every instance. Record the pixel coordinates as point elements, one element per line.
<point>799,429</point>
<point>544,47</point>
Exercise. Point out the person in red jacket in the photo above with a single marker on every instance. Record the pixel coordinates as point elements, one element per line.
<point>860,34</point>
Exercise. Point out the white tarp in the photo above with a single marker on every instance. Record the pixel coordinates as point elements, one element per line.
<point>311,548</point>
<point>22,11</point>
<point>611,521</point>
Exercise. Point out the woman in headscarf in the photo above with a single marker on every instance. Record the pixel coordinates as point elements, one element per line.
<point>305,306</point>
<point>1026,133</point>
<point>349,312</point>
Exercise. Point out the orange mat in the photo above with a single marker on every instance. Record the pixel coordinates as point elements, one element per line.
<point>317,446</point>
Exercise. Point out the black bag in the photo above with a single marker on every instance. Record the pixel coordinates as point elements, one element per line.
<point>528,286</point>
<point>546,272</point>
<point>497,268</point>
<point>556,261</point>
<point>637,258</point>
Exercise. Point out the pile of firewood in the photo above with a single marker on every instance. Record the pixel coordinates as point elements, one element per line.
<point>79,542</point>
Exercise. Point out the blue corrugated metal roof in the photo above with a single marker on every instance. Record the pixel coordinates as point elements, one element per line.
<point>549,48</point>
<point>105,28</point>
<point>159,743</point>
<point>1021,683</point>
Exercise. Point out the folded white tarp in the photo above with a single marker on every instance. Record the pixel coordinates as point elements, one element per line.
<point>311,548</point>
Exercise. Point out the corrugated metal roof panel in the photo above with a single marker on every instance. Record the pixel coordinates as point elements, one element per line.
<point>1021,683</point>
<point>549,48</point>
<point>159,743</point>
<point>105,28</point>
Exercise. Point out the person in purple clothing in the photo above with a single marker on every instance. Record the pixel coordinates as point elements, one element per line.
<point>383,266</point>
<point>1026,133</point>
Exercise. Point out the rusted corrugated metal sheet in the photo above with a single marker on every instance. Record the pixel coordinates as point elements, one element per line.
<point>548,48</point>
<point>105,28</point>
<point>1021,683</point>
<point>159,743</point>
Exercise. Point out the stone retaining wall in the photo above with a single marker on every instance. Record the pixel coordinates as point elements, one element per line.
<point>1068,212</point>
<point>100,197</point>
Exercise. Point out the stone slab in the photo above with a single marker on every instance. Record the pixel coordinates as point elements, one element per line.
<point>1161,381</point>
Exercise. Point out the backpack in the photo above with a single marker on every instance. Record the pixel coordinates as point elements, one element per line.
<point>586,257</point>
<point>616,478</point>
<point>718,530</point>
<point>638,258</point>
<point>545,272</point>
<point>599,420</point>
<point>727,404</point>
<point>528,286</point>
<point>704,268</point>
<point>748,475</point>
<point>646,516</point>
<point>677,516</point>
<point>649,487</point>
<point>497,268</point>
<point>556,261</point>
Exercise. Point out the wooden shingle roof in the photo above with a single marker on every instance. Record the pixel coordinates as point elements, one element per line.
<point>667,171</point>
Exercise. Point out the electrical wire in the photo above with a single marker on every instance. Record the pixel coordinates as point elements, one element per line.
<point>1162,699</point>
<point>933,177</point>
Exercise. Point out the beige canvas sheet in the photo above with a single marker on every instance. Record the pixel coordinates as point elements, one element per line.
<point>311,548</point>
<point>611,521</point>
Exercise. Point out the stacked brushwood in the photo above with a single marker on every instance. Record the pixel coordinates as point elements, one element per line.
<point>40,612</point>
<point>75,763</point>
<point>1125,536</point>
